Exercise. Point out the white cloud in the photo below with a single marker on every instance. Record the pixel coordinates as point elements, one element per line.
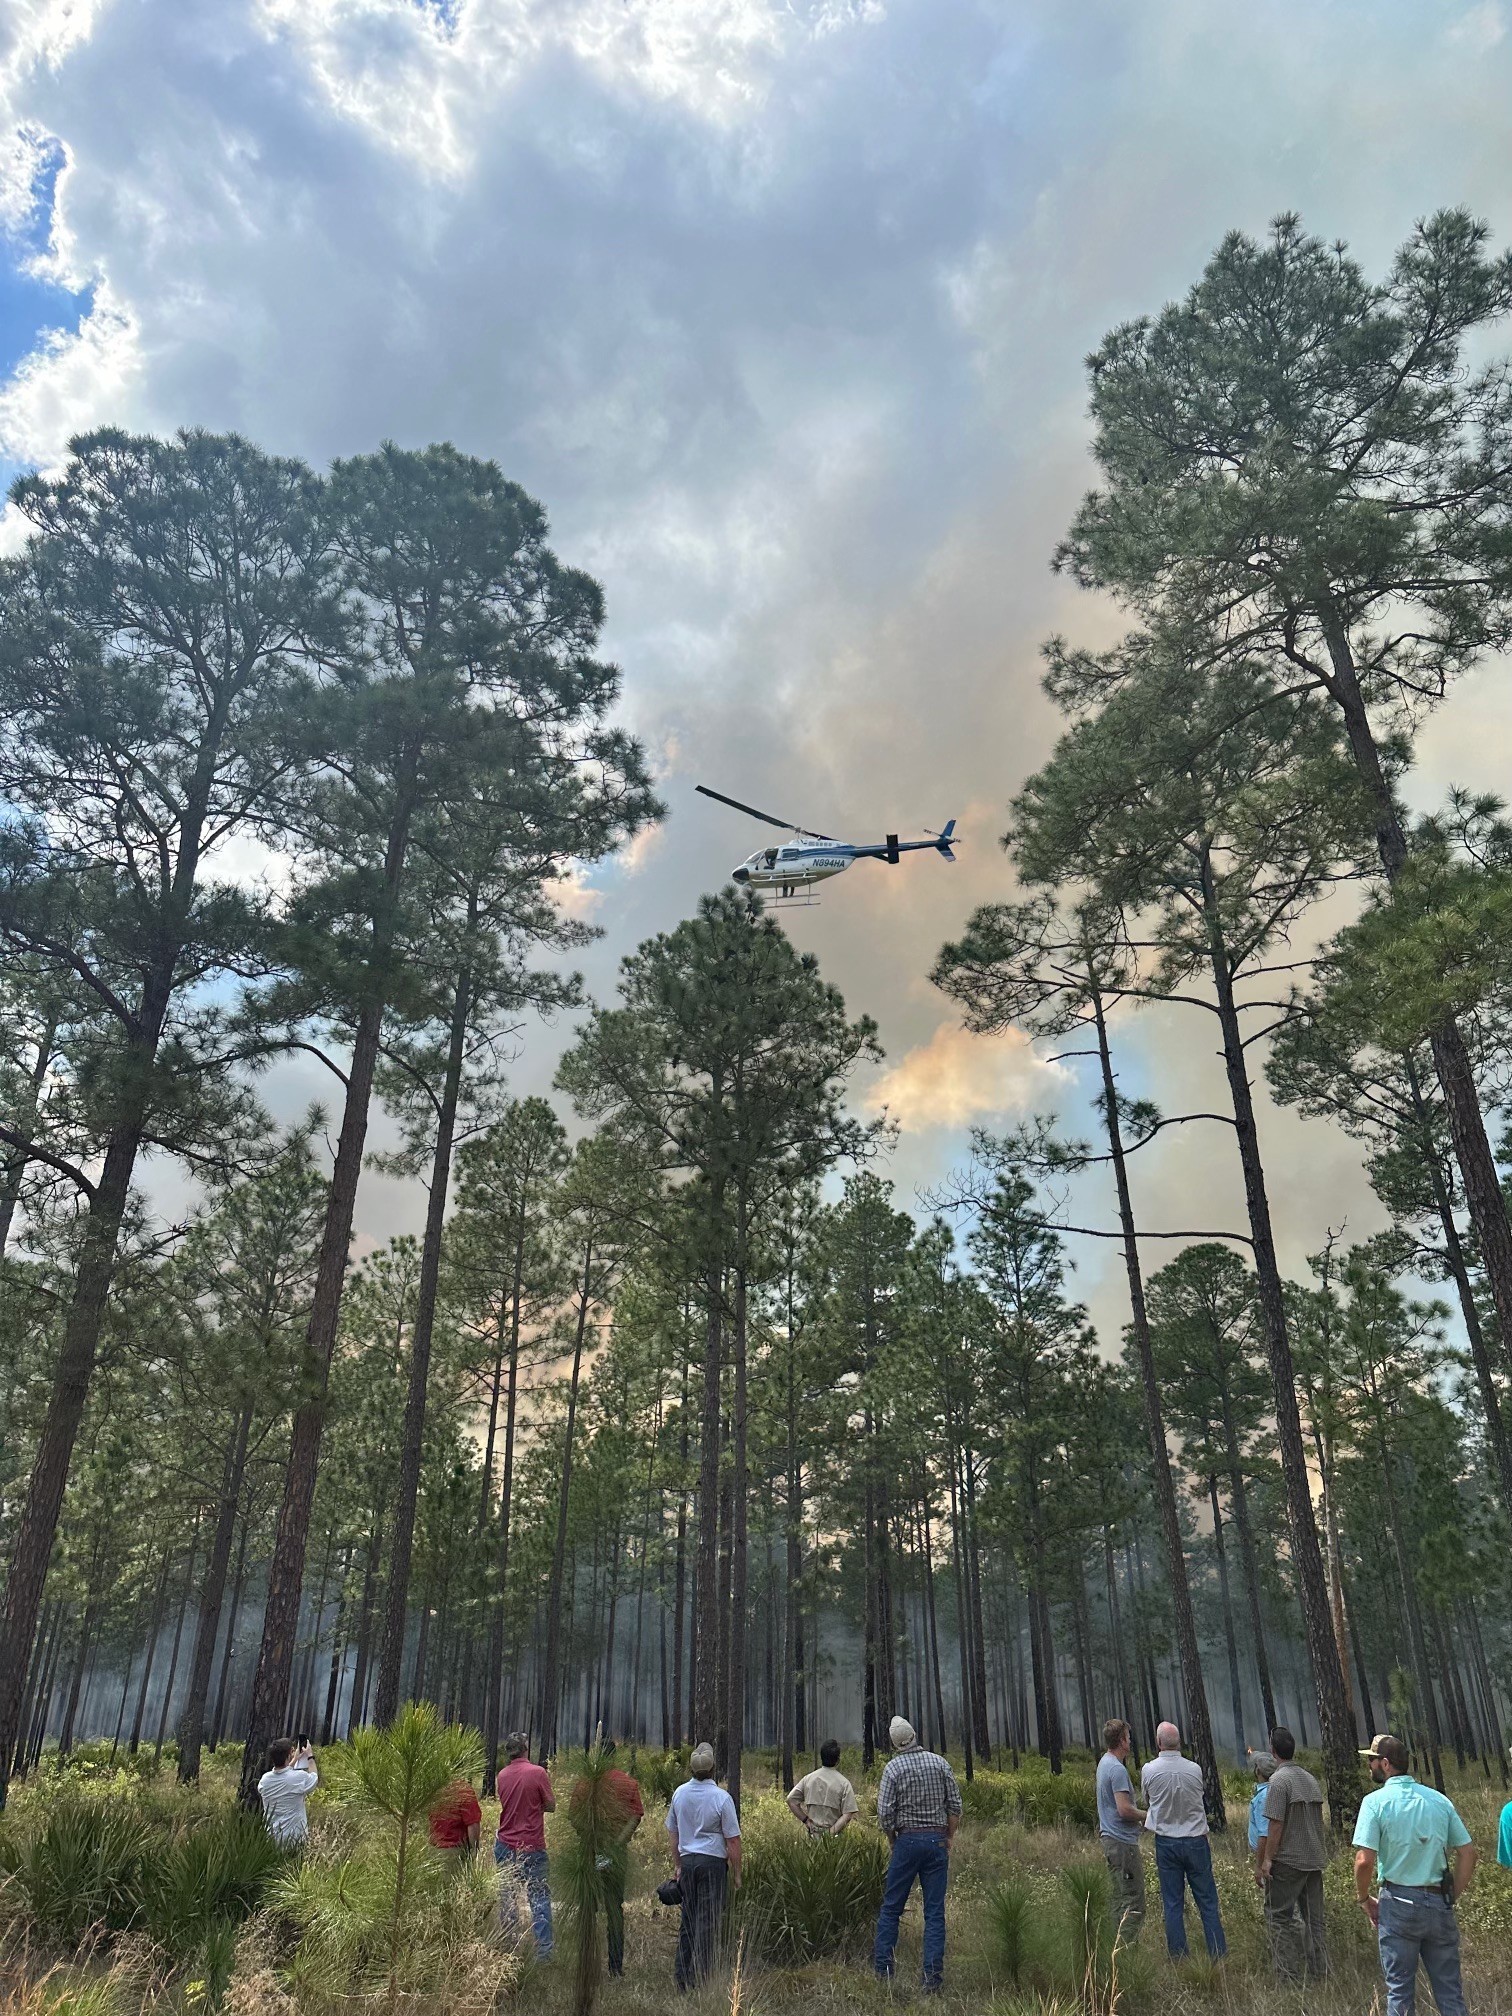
<point>779,305</point>
<point>574,895</point>
<point>73,379</point>
<point>956,1078</point>
<point>1479,28</point>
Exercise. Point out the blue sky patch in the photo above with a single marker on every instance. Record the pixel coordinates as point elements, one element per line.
<point>29,304</point>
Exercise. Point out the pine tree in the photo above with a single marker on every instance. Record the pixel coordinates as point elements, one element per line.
<point>465,613</point>
<point>152,635</point>
<point>1299,462</point>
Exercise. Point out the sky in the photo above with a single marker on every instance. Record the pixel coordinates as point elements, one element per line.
<point>781,309</point>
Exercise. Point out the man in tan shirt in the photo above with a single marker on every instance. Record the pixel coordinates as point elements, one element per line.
<point>825,1801</point>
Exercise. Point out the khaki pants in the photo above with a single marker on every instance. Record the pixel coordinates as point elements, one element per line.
<point>1126,1867</point>
<point>1294,1920</point>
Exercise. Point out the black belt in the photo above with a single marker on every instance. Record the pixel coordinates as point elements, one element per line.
<point>1421,1889</point>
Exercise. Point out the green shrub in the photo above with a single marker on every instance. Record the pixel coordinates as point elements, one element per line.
<point>1044,1802</point>
<point>97,1762</point>
<point>804,1898</point>
<point>393,1919</point>
<point>1033,1795</point>
<point>81,1868</point>
<point>1010,1911</point>
<point>990,1795</point>
<point>211,1875</point>
<point>660,1772</point>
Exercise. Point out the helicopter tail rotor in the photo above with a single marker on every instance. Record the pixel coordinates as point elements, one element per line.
<point>943,840</point>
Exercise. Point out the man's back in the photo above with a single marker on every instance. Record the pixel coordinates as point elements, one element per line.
<point>827,1796</point>
<point>1412,1829</point>
<point>1173,1790</point>
<point>918,1791</point>
<point>703,1814</point>
<point>524,1800</point>
<point>283,1794</point>
<point>1295,1798</point>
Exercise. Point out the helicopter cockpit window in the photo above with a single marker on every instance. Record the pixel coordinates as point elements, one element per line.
<point>770,857</point>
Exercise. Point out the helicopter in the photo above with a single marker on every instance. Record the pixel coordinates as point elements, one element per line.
<point>790,871</point>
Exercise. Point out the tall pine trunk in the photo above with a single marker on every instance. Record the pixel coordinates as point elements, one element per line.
<point>202,1660</point>
<point>708,1635</point>
<point>550,1682</point>
<point>275,1657</point>
<point>74,1367</point>
<point>493,1671</point>
<point>1341,1765</point>
<point>1225,1598</point>
<point>739,1563</point>
<point>407,1487</point>
<point>1200,1731</point>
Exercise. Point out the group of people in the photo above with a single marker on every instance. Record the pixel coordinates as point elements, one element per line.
<point>1413,1859</point>
<point>918,1807</point>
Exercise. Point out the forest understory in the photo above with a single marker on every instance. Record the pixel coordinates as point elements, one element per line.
<point>1019,1901</point>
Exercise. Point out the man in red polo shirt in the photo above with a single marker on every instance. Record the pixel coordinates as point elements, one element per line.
<point>620,1811</point>
<point>456,1819</point>
<point>525,1798</point>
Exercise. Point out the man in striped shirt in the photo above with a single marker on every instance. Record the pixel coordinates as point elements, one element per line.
<point>919,1806</point>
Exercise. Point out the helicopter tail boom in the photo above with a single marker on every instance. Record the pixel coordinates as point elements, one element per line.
<point>943,845</point>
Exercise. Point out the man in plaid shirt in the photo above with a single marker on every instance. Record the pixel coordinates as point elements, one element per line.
<point>919,1806</point>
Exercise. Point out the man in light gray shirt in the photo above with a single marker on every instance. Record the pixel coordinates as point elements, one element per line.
<point>1119,1825</point>
<point>1172,1785</point>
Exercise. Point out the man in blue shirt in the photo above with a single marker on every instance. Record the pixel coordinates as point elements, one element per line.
<point>1120,1826</point>
<point>1410,1839</point>
<point>1504,1837</point>
<point>1263,1764</point>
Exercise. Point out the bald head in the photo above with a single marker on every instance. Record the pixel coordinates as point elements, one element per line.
<point>1168,1737</point>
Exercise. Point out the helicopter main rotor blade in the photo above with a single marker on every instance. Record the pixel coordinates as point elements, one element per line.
<point>770,819</point>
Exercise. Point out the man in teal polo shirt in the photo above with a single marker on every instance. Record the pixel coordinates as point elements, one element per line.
<point>1410,1838</point>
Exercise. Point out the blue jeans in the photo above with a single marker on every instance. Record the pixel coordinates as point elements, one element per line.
<point>528,1867</point>
<point>1419,1925</point>
<point>1185,1861</point>
<point>923,1856</point>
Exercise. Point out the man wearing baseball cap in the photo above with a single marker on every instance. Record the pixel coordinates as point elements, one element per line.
<point>919,1806</point>
<point>1409,1839</point>
<point>703,1833</point>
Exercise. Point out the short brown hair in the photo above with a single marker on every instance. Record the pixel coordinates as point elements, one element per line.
<point>280,1750</point>
<point>1114,1733</point>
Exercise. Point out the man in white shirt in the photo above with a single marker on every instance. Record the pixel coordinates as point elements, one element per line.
<point>1172,1786</point>
<point>825,1801</point>
<point>703,1832</point>
<point>283,1789</point>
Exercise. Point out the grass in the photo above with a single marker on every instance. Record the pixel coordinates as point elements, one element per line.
<point>1012,1933</point>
